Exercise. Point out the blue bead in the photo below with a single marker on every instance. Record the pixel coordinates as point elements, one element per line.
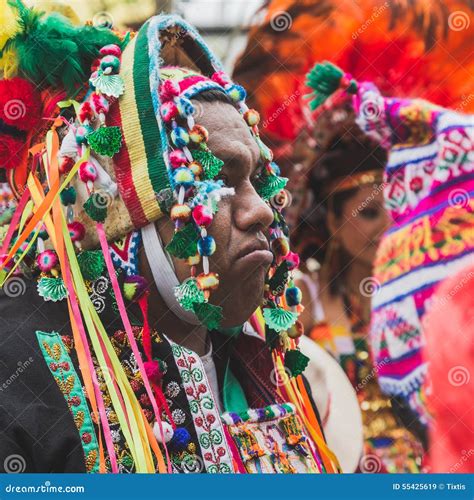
<point>180,137</point>
<point>206,246</point>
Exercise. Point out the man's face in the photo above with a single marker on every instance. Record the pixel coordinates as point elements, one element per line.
<point>241,224</point>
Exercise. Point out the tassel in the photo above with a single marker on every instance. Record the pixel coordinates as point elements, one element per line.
<point>184,242</point>
<point>210,163</point>
<point>296,362</point>
<point>209,315</point>
<point>270,186</point>
<point>325,78</point>
<point>188,294</point>
<point>279,319</point>
<point>105,141</point>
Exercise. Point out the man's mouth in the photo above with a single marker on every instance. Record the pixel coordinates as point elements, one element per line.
<point>256,251</point>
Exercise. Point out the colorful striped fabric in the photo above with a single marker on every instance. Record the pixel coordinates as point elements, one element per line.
<point>429,191</point>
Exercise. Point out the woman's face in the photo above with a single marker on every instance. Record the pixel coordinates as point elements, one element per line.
<point>361,224</point>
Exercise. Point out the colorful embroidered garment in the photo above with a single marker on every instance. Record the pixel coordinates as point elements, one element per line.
<point>428,191</point>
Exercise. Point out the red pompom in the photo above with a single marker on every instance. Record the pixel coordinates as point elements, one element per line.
<point>76,230</point>
<point>221,78</point>
<point>11,151</point>
<point>86,112</point>
<point>168,90</point>
<point>20,104</point>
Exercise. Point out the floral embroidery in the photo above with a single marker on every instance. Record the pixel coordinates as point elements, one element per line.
<point>62,369</point>
<point>217,457</point>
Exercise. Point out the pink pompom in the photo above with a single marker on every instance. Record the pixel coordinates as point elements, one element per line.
<point>76,230</point>
<point>293,260</point>
<point>153,372</point>
<point>169,90</point>
<point>202,215</point>
<point>87,172</point>
<point>177,158</point>
<point>47,260</point>
<point>111,50</point>
<point>221,78</point>
<point>99,103</point>
<point>168,111</point>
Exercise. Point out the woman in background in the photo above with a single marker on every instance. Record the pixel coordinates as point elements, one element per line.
<point>338,235</point>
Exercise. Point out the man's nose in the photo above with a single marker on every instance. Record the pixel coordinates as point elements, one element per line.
<point>251,210</point>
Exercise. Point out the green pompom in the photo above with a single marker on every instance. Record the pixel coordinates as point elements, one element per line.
<point>68,196</point>
<point>209,315</point>
<point>279,319</point>
<point>279,280</point>
<point>91,264</point>
<point>52,289</point>
<point>96,207</point>
<point>270,186</point>
<point>184,242</point>
<point>105,141</point>
<point>188,294</point>
<point>325,78</point>
<point>296,362</point>
<point>210,163</point>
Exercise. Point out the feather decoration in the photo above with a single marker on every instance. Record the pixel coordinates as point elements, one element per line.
<point>52,51</point>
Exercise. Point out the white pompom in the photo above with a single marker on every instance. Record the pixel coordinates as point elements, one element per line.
<point>167,432</point>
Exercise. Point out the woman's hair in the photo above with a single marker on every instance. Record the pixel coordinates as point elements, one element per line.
<point>342,151</point>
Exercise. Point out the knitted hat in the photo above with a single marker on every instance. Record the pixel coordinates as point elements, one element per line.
<point>428,191</point>
<point>132,139</point>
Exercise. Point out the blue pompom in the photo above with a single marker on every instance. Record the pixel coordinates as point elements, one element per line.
<point>293,296</point>
<point>180,439</point>
<point>180,137</point>
<point>275,168</point>
<point>236,93</point>
<point>206,246</point>
<point>185,106</point>
<point>183,177</point>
